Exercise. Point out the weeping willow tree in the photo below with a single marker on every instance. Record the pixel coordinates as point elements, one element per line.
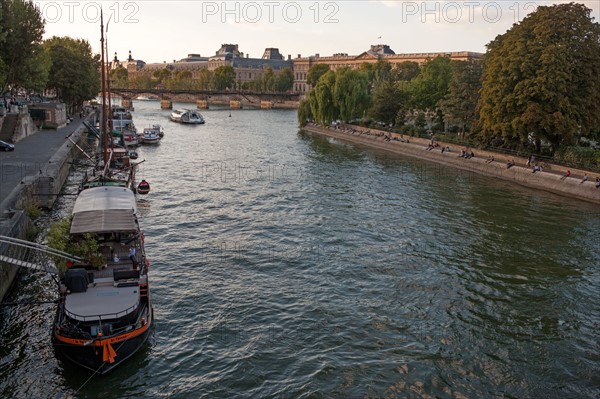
<point>343,94</point>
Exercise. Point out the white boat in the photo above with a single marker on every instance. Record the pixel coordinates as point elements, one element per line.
<point>122,121</point>
<point>159,128</point>
<point>147,98</point>
<point>187,116</point>
<point>150,135</point>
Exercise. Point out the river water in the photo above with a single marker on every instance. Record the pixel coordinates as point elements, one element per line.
<point>295,266</point>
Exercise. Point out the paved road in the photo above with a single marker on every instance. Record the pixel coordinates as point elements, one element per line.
<point>30,155</point>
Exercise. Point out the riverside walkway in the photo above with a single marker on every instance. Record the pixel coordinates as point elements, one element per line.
<point>31,154</point>
<point>550,179</point>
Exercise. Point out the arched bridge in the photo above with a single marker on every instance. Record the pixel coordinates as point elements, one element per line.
<point>211,96</point>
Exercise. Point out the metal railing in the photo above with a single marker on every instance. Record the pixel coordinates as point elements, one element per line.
<point>103,316</point>
<point>32,255</point>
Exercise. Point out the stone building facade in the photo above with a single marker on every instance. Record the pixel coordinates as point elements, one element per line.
<point>374,54</point>
<point>247,69</point>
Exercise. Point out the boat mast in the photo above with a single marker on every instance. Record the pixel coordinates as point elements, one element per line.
<point>110,117</point>
<point>103,77</point>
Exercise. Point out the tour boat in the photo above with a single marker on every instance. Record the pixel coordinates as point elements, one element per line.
<point>104,313</point>
<point>147,98</point>
<point>187,116</point>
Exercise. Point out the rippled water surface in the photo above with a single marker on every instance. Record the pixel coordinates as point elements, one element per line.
<point>287,265</point>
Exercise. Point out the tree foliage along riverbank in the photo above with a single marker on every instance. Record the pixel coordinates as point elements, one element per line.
<point>62,65</point>
<point>223,77</point>
<point>537,88</point>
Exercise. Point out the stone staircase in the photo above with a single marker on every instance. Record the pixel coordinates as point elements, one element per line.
<point>8,127</point>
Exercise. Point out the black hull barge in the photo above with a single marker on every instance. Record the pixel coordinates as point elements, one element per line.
<point>105,312</point>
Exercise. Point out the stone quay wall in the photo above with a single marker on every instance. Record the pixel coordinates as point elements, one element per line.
<point>550,179</point>
<point>41,189</point>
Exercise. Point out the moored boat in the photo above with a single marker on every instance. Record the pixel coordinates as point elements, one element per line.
<point>187,116</point>
<point>104,313</point>
<point>150,135</point>
<point>122,121</point>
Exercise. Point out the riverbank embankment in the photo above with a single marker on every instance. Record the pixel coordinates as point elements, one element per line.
<point>486,163</point>
<point>37,187</point>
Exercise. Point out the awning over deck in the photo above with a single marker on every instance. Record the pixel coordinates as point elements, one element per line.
<point>104,221</point>
<point>103,210</point>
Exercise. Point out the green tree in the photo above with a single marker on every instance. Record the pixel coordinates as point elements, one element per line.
<point>460,104</point>
<point>377,73</point>
<point>322,103</point>
<point>268,80</point>
<point>119,78</point>
<point>304,112</point>
<point>315,72</point>
<point>381,72</point>
<point>431,85</point>
<point>3,34</point>
<point>421,121</point>
<point>21,31</point>
<point>180,80</point>
<point>162,75</point>
<point>284,80</point>
<point>141,81</point>
<point>224,77</point>
<point>541,79</point>
<point>351,93</point>
<point>405,71</point>
<point>387,99</point>
<point>205,79</point>
<point>36,70</point>
<point>75,71</point>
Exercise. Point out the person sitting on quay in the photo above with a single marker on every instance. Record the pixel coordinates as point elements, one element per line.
<point>510,164</point>
<point>537,168</point>
<point>469,154</point>
<point>585,178</point>
<point>598,182</point>
<point>567,174</point>
<point>429,147</point>
<point>490,159</point>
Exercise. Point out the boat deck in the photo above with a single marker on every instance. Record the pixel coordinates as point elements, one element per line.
<point>114,292</point>
<point>102,302</point>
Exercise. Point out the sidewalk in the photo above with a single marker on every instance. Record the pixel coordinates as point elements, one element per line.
<point>30,155</point>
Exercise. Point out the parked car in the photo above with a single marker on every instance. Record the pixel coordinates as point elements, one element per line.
<point>4,146</point>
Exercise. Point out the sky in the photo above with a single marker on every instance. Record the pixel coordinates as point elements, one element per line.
<point>163,30</point>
